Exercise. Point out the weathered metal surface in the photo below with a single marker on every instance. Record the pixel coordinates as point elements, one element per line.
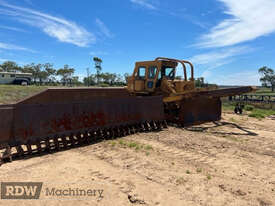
<point>61,118</point>
<point>64,111</point>
<point>6,123</point>
<point>220,92</point>
<point>205,106</point>
<point>65,95</point>
<point>31,122</point>
<point>198,110</point>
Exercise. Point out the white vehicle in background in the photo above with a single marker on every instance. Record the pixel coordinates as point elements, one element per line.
<point>15,78</point>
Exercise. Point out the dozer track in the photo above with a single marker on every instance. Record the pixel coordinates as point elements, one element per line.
<point>62,118</point>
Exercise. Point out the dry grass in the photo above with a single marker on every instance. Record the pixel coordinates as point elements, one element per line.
<point>13,93</point>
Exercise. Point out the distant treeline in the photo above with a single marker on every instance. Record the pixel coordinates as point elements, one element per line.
<point>46,74</point>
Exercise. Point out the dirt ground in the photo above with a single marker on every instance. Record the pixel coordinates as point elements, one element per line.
<point>231,162</point>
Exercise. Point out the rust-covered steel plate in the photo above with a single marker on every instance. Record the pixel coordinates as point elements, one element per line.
<point>66,95</point>
<point>47,115</point>
<point>199,110</point>
<point>6,123</point>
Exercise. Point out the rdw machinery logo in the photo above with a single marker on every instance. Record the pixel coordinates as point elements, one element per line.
<point>20,190</point>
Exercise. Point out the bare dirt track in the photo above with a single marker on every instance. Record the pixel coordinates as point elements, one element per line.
<point>231,162</point>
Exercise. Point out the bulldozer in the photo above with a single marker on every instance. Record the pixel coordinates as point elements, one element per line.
<point>61,118</point>
<point>183,103</point>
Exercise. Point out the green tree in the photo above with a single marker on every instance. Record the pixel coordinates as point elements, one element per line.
<point>119,80</point>
<point>98,67</point>
<point>41,72</point>
<point>268,77</point>
<point>36,72</point>
<point>91,81</point>
<point>43,76</point>
<point>199,82</point>
<point>75,81</point>
<point>108,78</point>
<point>66,74</point>
<point>51,72</point>
<point>29,68</point>
<point>126,76</point>
<point>112,78</point>
<point>10,66</point>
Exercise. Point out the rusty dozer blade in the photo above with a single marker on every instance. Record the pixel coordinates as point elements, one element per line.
<point>205,106</point>
<point>198,110</point>
<point>61,118</point>
<point>223,92</point>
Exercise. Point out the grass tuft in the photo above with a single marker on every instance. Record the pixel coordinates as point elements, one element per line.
<point>148,147</point>
<point>121,142</point>
<point>249,107</point>
<point>199,170</point>
<point>132,144</point>
<point>180,181</point>
<point>261,113</point>
<point>233,120</point>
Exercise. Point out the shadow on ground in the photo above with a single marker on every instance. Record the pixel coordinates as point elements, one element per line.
<point>220,124</point>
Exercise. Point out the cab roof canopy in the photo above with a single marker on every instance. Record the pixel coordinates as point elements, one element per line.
<point>156,62</point>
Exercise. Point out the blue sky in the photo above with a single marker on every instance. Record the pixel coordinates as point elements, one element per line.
<point>227,40</point>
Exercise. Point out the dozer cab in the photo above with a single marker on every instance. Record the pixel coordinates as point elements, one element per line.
<point>183,103</point>
<point>65,117</point>
<point>158,77</point>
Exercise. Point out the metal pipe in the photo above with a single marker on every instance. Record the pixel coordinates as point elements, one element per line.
<point>191,67</point>
<point>183,64</point>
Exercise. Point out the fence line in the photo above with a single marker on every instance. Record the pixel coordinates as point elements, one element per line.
<point>253,98</point>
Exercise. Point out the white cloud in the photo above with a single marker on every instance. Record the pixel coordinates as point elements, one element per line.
<point>209,72</point>
<point>98,53</point>
<point>3,60</point>
<point>144,3</point>
<point>56,27</point>
<point>249,20</point>
<point>220,57</point>
<point>241,78</point>
<point>216,59</point>
<point>12,28</point>
<point>206,74</point>
<point>103,28</point>
<point>14,47</point>
<point>186,16</point>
